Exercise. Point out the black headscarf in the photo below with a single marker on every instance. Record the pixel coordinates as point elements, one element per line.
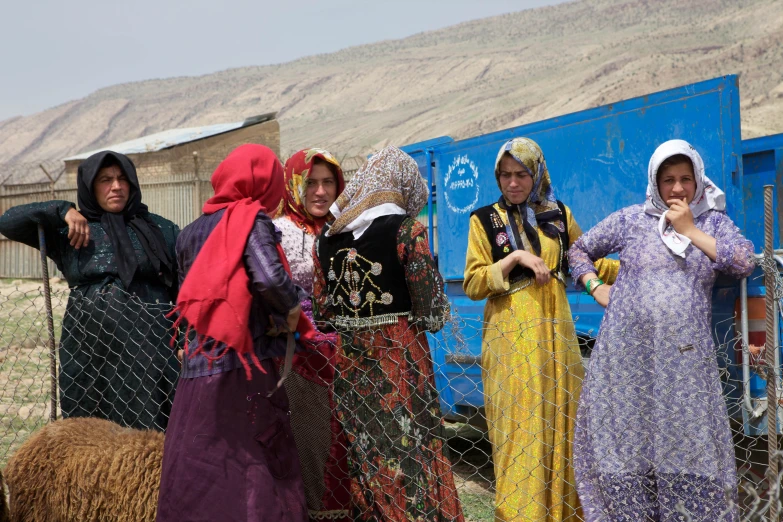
<point>135,215</point>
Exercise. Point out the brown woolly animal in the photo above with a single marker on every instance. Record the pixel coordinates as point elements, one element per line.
<point>4,515</point>
<point>86,470</point>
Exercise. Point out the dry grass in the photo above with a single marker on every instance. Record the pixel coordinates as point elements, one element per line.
<point>25,381</point>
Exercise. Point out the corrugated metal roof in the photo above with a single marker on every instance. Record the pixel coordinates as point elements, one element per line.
<point>173,137</point>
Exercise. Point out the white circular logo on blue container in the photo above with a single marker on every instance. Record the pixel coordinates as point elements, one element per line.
<point>461,189</point>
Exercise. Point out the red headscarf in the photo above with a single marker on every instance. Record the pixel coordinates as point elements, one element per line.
<point>297,171</point>
<point>215,298</point>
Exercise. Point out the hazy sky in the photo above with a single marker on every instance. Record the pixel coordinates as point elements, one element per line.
<point>53,51</point>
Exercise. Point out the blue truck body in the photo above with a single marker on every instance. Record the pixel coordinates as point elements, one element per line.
<point>597,160</point>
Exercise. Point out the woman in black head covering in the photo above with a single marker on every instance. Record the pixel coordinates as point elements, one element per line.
<point>118,259</point>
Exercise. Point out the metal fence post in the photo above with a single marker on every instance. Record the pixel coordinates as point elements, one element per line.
<point>772,400</point>
<point>49,324</point>
<point>51,180</point>
<point>197,203</point>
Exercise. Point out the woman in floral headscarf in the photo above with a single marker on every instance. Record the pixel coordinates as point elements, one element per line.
<point>313,180</point>
<point>377,284</point>
<point>531,364</point>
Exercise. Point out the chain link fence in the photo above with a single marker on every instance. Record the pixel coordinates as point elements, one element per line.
<point>25,377</point>
<point>112,353</point>
<point>114,362</point>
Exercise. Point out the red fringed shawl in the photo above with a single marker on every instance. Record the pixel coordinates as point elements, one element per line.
<point>215,299</point>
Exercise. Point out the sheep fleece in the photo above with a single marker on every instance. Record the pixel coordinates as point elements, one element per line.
<point>4,516</point>
<point>85,470</point>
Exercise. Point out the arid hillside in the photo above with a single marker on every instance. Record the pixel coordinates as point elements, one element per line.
<point>464,80</point>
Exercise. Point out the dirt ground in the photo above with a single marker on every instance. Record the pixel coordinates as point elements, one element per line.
<point>471,457</point>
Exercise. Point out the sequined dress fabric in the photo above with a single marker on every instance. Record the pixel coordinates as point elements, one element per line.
<point>532,373</point>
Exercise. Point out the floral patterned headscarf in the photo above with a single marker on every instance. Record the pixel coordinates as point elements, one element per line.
<point>540,210</point>
<point>390,178</point>
<point>529,155</point>
<point>297,172</point>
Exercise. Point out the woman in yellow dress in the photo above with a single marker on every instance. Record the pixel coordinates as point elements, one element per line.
<point>531,364</point>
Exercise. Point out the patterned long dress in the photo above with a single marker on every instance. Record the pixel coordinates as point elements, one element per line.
<point>532,373</point>
<point>317,432</point>
<point>652,428</point>
<point>387,402</point>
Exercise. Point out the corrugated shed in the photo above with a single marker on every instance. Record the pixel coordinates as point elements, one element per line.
<point>173,137</point>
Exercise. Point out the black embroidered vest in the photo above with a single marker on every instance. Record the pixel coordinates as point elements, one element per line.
<point>364,278</point>
<point>499,239</point>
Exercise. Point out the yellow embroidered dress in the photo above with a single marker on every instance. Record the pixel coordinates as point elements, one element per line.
<point>532,372</point>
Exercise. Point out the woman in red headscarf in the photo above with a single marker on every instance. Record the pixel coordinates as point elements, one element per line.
<point>313,180</point>
<point>229,453</point>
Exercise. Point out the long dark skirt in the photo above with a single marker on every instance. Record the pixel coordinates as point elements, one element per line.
<point>115,359</point>
<point>318,434</point>
<point>229,453</point>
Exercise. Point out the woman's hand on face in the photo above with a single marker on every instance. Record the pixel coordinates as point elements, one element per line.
<point>78,229</point>
<point>680,216</point>
<point>601,295</point>
<point>534,263</point>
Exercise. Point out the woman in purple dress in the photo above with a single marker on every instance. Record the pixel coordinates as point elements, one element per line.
<point>652,426</point>
<point>229,454</point>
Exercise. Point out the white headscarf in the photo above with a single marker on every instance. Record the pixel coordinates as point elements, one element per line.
<point>365,219</point>
<point>707,196</point>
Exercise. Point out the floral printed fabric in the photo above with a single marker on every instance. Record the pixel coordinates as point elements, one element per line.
<point>529,155</point>
<point>389,177</point>
<point>388,405</point>
<point>652,421</point>
<point>297,171</point>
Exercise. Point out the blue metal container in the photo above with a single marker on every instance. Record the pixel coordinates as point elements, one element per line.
<point>762,160</point>
<point>597,160</point>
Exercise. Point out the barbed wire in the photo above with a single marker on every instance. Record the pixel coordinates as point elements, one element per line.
<point>772,266</point>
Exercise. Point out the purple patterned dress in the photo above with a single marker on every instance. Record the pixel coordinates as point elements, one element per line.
<point>652,426</point>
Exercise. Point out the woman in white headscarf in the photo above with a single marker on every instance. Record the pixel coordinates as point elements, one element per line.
<point>377,285</point>
<point>652,426</point>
